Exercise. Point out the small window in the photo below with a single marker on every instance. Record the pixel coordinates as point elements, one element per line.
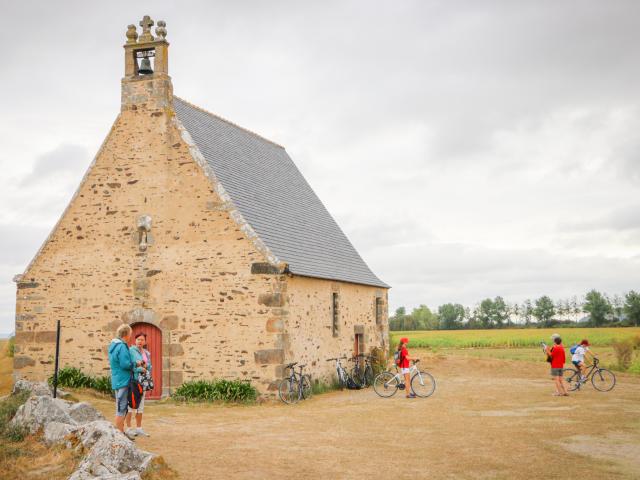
<point>378,311</point>
<point>334,311</point>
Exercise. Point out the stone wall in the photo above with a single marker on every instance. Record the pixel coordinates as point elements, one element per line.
<point>194,280</point>
<point>308,321</point>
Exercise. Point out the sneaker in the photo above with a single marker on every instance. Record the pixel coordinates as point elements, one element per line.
<point>413,395</point>
<point>130,434</point>
<point>583,379</point>
<point>140,431</point>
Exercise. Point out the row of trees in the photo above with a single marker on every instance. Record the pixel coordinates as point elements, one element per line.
<point>597,309</point>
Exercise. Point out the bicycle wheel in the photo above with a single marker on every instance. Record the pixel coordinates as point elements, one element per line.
<point>288,390</point>
<point>368,376</point>
<point>572,377</point>
<point>385,384</point>
<point>603,380</point>
<point>423,384</point>
<point>356,375</point>
<point>306,387</point>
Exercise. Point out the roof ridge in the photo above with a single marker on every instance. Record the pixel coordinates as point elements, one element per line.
<point>228,121</point>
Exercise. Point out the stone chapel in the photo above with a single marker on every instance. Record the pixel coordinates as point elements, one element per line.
<point>203,234</point>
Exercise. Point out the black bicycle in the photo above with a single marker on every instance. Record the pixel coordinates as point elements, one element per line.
<point>362,371</point>
<point>295,387</point>
<point>602,379</point>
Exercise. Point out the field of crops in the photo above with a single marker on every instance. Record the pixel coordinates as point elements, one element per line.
<point>511,338</point>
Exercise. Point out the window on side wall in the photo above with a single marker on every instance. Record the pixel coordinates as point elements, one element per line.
<point>334,314</point>
<point>378,311</point>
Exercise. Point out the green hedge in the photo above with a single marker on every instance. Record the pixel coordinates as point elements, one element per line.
<point>72,377</point>
<point>237,391</point>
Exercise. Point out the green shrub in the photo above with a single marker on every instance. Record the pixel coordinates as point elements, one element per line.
<point>624,353</point>
<point>73,377</point>
<point>319,387</point>
<point>378,360</point>
<point>237,391</point>
<point>8,408</point>
<point>11,347</point>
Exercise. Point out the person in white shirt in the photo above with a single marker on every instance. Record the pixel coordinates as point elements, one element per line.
<point>578,357</point>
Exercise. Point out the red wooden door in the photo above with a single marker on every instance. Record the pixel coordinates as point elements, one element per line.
<point>154,345</point>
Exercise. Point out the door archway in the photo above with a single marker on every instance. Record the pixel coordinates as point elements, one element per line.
<point>154,345</point>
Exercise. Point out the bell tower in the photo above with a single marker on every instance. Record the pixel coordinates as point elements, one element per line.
<point>146,83</point>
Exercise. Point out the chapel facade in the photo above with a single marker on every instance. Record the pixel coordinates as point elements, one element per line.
<point>202,234</point>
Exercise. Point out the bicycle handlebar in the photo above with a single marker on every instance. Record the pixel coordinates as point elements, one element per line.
<point>291,365</point>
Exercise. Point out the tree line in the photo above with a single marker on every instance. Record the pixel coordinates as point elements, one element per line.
<point>595,309</point>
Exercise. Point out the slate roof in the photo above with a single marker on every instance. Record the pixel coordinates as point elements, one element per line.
<point>275,199</point>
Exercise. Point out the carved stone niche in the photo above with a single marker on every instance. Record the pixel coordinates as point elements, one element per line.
<point>142,236</point>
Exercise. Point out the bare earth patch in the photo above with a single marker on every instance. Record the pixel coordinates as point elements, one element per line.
<point>488,419</point>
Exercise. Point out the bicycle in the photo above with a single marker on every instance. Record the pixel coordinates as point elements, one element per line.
<point>362,375</point>
<point>343,376</point>
<point>295,387</point>
<point>386,384</point>
<point>602,379</point>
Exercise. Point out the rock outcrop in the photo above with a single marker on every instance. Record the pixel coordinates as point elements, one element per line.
<point>107,452</point>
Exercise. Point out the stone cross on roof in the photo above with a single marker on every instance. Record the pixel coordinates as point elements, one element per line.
<point>146,23</point>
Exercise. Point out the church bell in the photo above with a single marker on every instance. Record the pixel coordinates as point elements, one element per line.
<point>145,67</point>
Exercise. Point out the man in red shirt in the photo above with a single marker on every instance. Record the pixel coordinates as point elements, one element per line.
<point>557,364</point>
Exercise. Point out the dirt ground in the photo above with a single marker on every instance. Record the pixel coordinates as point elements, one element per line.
<point>488,419</point>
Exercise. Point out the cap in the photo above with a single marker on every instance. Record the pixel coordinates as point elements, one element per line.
<point>404,340</point>
<point>585,342</point>
<point>555,335</point>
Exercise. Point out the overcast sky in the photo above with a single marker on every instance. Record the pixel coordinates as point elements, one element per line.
<point>467,149</point>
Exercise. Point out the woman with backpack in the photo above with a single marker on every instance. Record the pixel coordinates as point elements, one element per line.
<point>142,360</point>
<point>555,355</point>
<point>402,361</point>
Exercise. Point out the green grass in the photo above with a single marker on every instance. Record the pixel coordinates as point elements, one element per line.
<point>511,338</point>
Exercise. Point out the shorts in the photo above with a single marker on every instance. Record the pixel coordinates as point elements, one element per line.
<point>122,402</point>
<point>404,370</point>
<point>576,363</point>
<point>556,372</point>
<point>140,408</point>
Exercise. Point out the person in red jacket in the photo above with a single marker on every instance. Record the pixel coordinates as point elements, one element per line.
<point>403,364</point>
<point>556,352</point>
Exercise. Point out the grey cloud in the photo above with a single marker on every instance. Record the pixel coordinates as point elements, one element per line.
<point>63,159</point>
<point>476,124</point>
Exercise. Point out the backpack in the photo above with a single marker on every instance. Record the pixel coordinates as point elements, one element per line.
<point>134,393</point>
<point>398,358</point>
<point>549,356</point>
<point>574,348</point>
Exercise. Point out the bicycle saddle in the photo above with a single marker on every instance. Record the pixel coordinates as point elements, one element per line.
<point>291,364</point>
<point>302,366</point>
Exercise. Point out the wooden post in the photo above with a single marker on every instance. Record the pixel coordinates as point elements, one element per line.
<point>55,372</point>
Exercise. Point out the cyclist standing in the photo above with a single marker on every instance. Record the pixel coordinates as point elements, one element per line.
<point>403,364</point>
<point>557,364</point>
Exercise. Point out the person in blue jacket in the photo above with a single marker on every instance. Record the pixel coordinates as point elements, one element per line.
<point>121,370</point>
<point>141,359</point>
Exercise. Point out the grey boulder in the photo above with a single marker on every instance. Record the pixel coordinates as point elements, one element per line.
<point>37,412</point>
<point>35,388</point>
<point>107,451</point>
<point>57,432</point>
<point>84,412</point>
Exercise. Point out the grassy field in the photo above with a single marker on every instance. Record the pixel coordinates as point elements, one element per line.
<point>512,338</point>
